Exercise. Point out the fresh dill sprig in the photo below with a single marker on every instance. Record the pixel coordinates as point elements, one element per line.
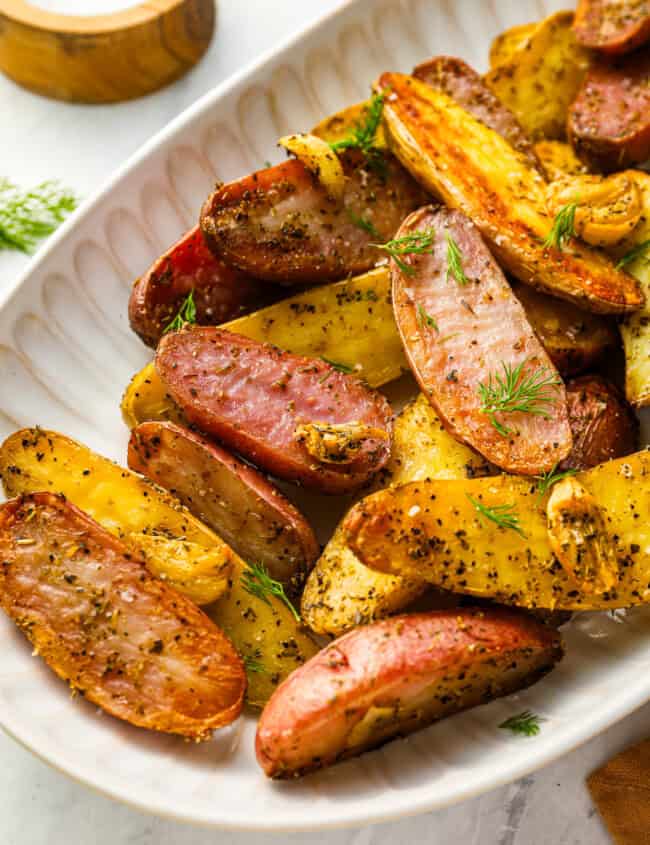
<point>512,391</point>
<point>505,516</point>
<point>425,319</point>
<point>563,228</point>
<point>185,314</point>
<point>455,261</point>
<point>524,724</point>
<point>26,217</point>
<point>548,479</point>
<point>257,581</point>
<point>342,368</point>
<point>633,254</point>
<point>415,243</point>
<point>253,665</point>
<point>362,223</point>
<point>363,134</point>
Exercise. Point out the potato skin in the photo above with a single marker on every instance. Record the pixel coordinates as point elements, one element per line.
<point>575,340</point>
<point>463,84</point>
<point>611,26</point>
<point>233,498</point>
<point>603,425</point>
<point>609,121</point>
<point>221,381</point>
<point>393,677</point>
<point>459,335</point>
<point>472,168</point>
<point>120,637</point>
<point>220,293</point>
<point>280,225</point>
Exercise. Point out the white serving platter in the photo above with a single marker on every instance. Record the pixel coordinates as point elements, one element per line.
<point>66,354</point>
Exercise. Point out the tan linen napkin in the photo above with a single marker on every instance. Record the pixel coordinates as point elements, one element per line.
<point>621,791</point>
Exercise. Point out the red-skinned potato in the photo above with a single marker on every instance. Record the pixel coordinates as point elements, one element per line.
<point>298,418</point>
<point>238,502</point>
<point>280,225</point>
<point>609,121</point>
<point>461,329</point>
<point>612,26</point>
<point>219,292</point>
<point>123,639</point>
<point>395,676</point>
<point>603,425</point>
<point>463,84</point>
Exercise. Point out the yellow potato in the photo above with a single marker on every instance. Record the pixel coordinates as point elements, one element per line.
<point>341,592</point>
<point>508,42</point>
<point>635,329</point>
<point>607,208</point>
<point>558,159</point>
<point>541,78</point>
<point>176,545</point>
<point>145,398</point>
<point>318,157</point>
<point>489,537</point>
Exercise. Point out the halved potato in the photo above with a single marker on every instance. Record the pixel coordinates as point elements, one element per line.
<point>265,632</point>
<point>472,168</point>
<point>635,328</point>
<point>507,43</point>
<point>341,592</point>
<point>489,537</point>
<point>123,639</point>
<point>319,159</point>
<point>393,677</point>
<point>243,506</point>
<point>175,545</point>
<point>146,398</point>
<point>541,78</point>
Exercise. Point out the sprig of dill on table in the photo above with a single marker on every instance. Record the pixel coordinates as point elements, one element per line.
<point>28,216</point>
<point>548,479</point>
<point>185,314</point>
<point>563,228</point>
<point>524,724</point>
<point>505,516</point>
<point>363,135</point>
<point>455,261</point>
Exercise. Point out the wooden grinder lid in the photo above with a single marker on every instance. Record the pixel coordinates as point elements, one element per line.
<point>103,58</point>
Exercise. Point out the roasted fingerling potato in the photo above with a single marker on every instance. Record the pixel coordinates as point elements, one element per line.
<point>558,160</point>
<point>126,641</point>
<point>472,168</point>
<point>176,546</point>
<point>489,537</point>
<point>393,677</point>
<point>508,43</point>
<point>239,503</point>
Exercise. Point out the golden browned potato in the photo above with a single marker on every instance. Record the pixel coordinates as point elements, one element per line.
<point>175,545</point>
<point>541,78</point>
<point>606,208</point>
<point>146,398</point>
<point>574,339</point>
<point>341,592</point>
<point>507,43</point>
<point>123,639</point>
<point>558,159</point>
<point>265,631</point>
<point>489,537</point>
<point>472,168</point>
<point>243,506</point>
<point>635,329</point>
<point>338,126</point>
<point>393,677</point>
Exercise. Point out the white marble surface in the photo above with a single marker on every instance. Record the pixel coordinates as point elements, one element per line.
<point>40,139</point>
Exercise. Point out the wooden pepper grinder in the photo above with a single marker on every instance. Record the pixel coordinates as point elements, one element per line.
<point>102,58</point>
